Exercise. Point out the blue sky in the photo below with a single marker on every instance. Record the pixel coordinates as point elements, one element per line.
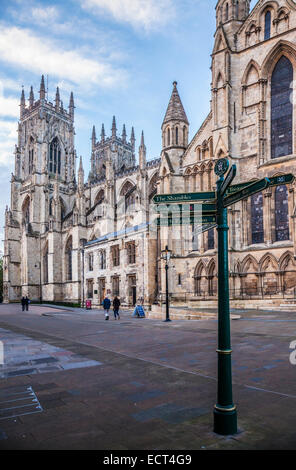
<point>119,57</point>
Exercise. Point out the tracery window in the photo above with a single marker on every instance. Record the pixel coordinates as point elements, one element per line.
<point>281,109</point>
<point>257,226</point>
<point>55,157</point>
<point>281,214</point>
<point>267,25</point>
<point>115,254</point>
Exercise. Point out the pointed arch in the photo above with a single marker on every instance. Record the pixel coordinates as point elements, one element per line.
<point>100,196</point>
<point>252,69</point>
<point>249,262</point>
<point>219,80</point>
<point>285,259</point>
<point>282,48</point>
<point>268,262</point>
<point>26,210</point>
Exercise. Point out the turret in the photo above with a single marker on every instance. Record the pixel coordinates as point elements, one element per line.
<point>231,13</point>
<point>175,125</point>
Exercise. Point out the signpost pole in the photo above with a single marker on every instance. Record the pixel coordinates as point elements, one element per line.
<point>225,415</point>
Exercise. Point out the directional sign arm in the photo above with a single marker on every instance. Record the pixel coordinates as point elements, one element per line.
<point>254,188</point>
<point>228,180</point>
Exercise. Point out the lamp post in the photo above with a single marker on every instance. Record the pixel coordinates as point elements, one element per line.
<point>166,255</point>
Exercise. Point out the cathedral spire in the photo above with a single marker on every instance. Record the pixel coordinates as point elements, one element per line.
<point>31,98</point>
<point>71,106</point>
<point>42,89</point>
<point>114,128</point>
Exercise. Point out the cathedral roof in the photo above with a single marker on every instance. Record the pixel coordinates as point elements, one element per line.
<point>175,110</point>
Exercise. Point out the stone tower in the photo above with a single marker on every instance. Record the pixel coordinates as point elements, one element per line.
<point>175,129</point>
<point>42,189</point>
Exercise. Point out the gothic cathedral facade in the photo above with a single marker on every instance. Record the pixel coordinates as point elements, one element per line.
<point>69,240</point>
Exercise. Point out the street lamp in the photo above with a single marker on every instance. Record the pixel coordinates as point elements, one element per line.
<point>166,254</point>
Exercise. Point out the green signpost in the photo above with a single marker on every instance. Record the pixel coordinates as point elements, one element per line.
<point>212,212</point>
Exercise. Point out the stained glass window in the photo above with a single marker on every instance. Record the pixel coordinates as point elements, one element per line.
<point>267,25</point>
<point>257,226</point>
<point>281,108</point>
<point>281,214</point>
<point>55,157</point>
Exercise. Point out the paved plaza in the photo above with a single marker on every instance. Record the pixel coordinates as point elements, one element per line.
<point>71,380</point>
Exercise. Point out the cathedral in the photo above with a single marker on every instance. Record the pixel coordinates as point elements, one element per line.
<point>71,239</point>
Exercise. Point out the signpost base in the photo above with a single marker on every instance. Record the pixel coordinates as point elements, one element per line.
<point>225,421</point>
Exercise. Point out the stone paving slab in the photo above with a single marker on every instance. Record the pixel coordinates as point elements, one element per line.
<point>155,387</point>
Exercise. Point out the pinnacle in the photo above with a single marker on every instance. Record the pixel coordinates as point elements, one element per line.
<point>175,110</point>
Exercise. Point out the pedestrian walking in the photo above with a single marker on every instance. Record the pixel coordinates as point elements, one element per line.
<point>106,307</point>
<point>116,305</point>
<point>23,302</point>
<point>27,301</point>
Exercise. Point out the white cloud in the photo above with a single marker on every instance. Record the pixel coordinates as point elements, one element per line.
<point>8,139</point>
<point>147,14</point>
<point>38,54</point>
<point>44,14</point>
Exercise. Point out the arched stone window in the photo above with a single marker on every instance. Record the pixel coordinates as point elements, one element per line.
<point>68,259</point>
<point>281,214</point>
<point>281,109</point>
<point>257,227</point>
<point>54,163</point>
<point>169,137</point>
<point>267,25</point>
<point>226,11</point>
<point>177,136</point>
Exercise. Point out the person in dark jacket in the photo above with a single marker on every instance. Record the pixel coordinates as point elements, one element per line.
<point>27,301</point>
<point>116,304</point>
<point>106,307</point>
<point>23,302</point>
